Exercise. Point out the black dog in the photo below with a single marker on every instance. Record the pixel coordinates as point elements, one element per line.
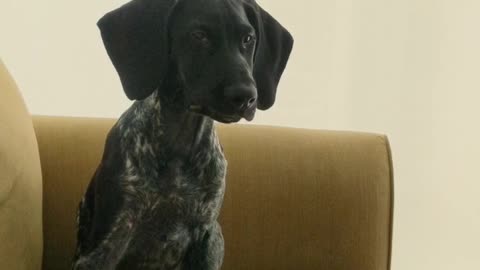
<point>154,200</point>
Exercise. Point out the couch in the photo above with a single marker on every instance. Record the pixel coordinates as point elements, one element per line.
<point>296,199</point>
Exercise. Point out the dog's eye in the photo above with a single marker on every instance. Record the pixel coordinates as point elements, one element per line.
<point>200,36</point>
<point>247,39</point>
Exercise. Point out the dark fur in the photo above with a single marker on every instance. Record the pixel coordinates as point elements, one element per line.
<point>154,200</point>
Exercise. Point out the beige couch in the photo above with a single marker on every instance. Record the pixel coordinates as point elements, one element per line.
<point>296,199</point>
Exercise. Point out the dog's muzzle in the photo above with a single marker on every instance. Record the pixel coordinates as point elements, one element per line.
<point>237,102</point>
<point>242,100</point>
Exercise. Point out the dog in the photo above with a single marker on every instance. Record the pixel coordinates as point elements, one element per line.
<point>154,200</point>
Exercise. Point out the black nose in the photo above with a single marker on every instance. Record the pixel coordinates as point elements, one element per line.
<point>241,97</point>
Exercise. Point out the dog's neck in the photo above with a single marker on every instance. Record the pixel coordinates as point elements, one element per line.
<point>172,129</point>
<point>185,132</point>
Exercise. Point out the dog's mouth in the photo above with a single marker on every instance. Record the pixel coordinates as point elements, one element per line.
<point>222,117</point>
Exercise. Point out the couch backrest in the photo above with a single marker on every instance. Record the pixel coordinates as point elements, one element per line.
<point>296,199</point>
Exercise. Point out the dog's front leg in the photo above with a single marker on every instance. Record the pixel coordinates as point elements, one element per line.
<point>207,252</point>
<point>110,250</point>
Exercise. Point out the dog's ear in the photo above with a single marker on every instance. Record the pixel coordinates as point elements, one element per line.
<point>135,37</point>
<point>274,44</point>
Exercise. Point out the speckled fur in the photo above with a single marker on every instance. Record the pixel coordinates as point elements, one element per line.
<point>154,200</point>
<point>164,197</point>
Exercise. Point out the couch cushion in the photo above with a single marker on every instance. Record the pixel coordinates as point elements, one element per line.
<point>20,182</point>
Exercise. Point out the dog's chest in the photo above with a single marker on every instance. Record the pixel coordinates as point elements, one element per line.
<point>170,206</point>
<point>172,188</point>
<point>187,190</point>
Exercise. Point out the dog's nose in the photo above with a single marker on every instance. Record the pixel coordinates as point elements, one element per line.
<point>241,97</point>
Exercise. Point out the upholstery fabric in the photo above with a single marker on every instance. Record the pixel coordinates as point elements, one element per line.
<point>20,182</point>
<point>295,199</point>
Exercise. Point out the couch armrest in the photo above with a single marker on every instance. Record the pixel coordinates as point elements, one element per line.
<point>20,182</point>
<point>295,199</point>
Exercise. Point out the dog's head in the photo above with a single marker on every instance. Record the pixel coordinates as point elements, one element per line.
<point>225,56</point>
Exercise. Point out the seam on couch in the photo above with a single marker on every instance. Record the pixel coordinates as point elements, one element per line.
<point>11,188</point>
<point>392,200</point>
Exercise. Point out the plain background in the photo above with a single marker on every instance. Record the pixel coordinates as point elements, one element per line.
<point>407,68</point>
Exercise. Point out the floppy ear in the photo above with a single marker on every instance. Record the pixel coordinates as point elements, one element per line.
<point>273,49</point>
<point>135,37</point>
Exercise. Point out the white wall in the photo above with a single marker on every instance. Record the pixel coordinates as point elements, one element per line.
<point>410,69</point>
